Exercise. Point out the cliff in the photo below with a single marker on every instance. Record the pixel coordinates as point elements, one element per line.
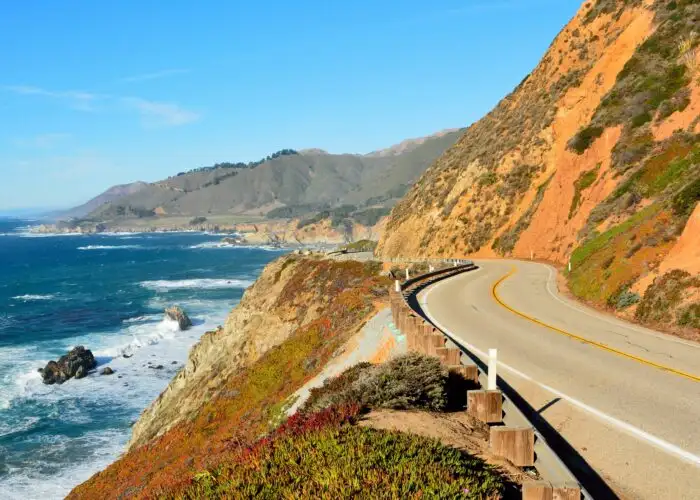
<point>594,158</point>
<point>238,379</point>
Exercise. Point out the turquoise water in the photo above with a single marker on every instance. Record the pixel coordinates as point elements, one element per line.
<point>106,292</point>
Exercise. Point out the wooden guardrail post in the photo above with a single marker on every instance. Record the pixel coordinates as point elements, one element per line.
<point>469,372</point>
<point>449,355</point>
<point>544,490</point>
<point>486,406</point>
<point>516,444</point>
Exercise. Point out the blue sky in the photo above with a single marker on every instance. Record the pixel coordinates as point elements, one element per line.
<point>94,94</point>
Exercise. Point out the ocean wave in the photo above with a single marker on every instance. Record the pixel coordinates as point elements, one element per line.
<point>109,247</point>
<point>30,297</point>
<point>29,234</point>
<point>200,283</point>
<point>218,244</point>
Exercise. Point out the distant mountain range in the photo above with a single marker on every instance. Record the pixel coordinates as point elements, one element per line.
<point>287,184</point>
<point>112,194</point>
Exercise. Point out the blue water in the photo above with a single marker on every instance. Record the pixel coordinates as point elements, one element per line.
<point>106,292</point>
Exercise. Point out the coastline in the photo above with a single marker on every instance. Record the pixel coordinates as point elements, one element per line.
<point>117,315</point>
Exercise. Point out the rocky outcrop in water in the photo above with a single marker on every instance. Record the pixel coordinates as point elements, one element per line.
<point>76,364</point>
<point>176,313</point>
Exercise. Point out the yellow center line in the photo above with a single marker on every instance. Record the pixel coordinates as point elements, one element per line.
<point>497,298</point>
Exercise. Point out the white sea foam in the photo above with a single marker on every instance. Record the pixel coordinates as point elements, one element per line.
<point>97,450</point>
<point>30,297</point>
<point>201,283</point>
<point>148,341</point>
<point>109,247</point>
<point>29,234</point>
<point>208,245</point>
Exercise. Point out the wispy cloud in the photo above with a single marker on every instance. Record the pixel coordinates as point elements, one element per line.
<point>161,113</point>
<point>42,141</point>
<point>79,99</point>
<point>153,113</point>
<point>153,76</point>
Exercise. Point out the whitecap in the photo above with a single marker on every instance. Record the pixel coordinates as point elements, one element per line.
<point>109,247</point>
<point>200,283</point>
<point>30,297</point>
<point>208,245</point>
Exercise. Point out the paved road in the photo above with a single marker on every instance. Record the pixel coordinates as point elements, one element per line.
<point>608,388</point>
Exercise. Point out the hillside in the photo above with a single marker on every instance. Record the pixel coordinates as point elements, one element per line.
<point>112,194</point>
<point>302,182</point>
<point>594,158</point>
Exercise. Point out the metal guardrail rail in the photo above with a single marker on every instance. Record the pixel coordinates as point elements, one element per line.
<point>573,478</point>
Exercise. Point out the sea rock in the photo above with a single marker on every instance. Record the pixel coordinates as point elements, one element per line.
<point>176,313</point>
<point>106,371</point>
<point>77,363</point>
<point>156,367</point>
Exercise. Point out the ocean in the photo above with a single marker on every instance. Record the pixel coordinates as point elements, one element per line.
<point>106,292</point>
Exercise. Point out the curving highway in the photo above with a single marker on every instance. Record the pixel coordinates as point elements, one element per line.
<point>627,398</point>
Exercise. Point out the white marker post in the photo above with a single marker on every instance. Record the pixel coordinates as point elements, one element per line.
<point>407,275</point>
<point>493,361</point>
<point>431,268</point>
<point>397,286</point>
<point>569,266</point>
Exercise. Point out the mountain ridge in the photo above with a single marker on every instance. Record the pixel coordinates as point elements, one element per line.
<point>306,181</point>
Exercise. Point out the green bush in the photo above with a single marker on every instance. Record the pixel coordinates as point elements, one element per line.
<point>663,295</point>
<point>409,381</point>
<point>690,316</point>
<point>641,119</point>
<point>335,390</point>
<point>626,299</point>
<point>197,221</point>
<point>585,137</point>
<point>684,202</point>
<point>584,181</point>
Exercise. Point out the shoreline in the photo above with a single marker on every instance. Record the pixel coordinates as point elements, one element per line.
<point>97,412</point>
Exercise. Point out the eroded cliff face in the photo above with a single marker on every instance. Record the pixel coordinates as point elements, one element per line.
<point>278,303</point>
<point>239,380</point>
<point>321,232</point>
<point>594,158</point>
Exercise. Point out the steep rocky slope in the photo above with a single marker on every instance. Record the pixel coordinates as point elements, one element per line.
<point>593,158</point>
<point>290,293</point>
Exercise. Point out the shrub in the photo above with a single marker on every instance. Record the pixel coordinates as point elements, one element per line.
<point>408,381</point>
<point>684,202</point>
<point>197,221</point>
<point>641,119</point>
<point>626,299</point>
<point>334,390</point>
<point>663,295</point>
<point>584,181</point>
<point>487,179</point>
<point>585,137</point>
<point>690,316</point>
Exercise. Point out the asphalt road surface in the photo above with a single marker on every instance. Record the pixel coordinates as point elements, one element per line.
<point>627,398</point>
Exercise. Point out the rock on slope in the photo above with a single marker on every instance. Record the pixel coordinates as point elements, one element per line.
<point>593,158</point>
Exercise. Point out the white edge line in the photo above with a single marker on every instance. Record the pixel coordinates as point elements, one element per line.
<point>670,448</point>
<point>614,321</point>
